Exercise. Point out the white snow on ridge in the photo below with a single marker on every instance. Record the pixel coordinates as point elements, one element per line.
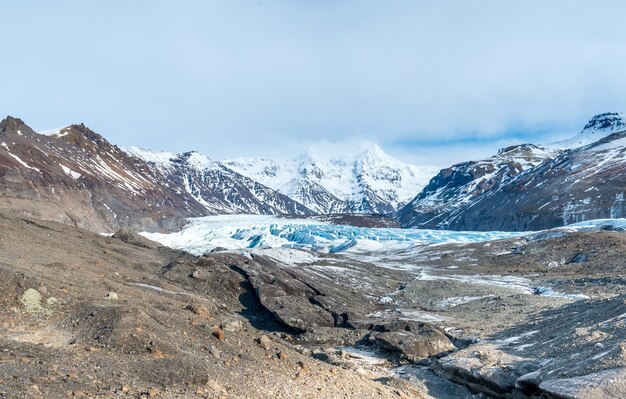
<point>344,177</point>
<point>598,127</point>
<point>160,158</point>
<point>54,133</point>
<point>163,159</point>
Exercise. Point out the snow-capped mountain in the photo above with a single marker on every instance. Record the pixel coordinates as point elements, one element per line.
<point>368,181</point>
<point>75,176</point>
<point>451,193</point>
<point>530,187</point>
<point>597,128</point>
<point>217,188</point>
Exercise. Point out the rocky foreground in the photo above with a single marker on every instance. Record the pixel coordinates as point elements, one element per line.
<point>85,315</point>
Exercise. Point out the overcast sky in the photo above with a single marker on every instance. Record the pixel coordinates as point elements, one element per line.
<point>433,82</point>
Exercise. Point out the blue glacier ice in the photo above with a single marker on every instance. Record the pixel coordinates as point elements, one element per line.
<point>254,231</point>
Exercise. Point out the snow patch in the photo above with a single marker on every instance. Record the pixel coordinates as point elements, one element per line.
<point>18,159</point>
<point>54,132</point>
<point>453,302</point>
<point>73,174</point>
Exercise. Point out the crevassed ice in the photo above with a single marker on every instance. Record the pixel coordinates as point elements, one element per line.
<point>253,231</point>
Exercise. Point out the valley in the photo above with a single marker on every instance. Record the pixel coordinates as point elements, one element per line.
<point>433,315</point>
<point>312,200</point>
<point>138,273</point>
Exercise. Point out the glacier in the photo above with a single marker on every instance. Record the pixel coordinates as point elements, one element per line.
<point>204,234</point>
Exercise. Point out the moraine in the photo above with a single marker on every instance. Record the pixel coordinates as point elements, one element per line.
<point>527,301</point>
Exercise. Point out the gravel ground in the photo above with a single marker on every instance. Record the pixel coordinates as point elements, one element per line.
<point>84,315</point>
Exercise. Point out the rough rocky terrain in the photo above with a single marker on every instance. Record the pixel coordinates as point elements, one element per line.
<point>537,316</point>
<point>86,315</point>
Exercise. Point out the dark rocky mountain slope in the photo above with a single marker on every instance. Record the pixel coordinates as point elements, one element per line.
<point>219,189</point>
<point>75,176</point>
<point>530,187</point>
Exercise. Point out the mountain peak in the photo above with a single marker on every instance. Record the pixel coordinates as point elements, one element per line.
<point>12,124</point>
<point>58,132</point>
<point>324,153</point>
<point>598,127</point>
<point>75,133</point>
<point>371,152</point>
<point>609,122</point>
<point>85,131</point>
<point>368,148</point>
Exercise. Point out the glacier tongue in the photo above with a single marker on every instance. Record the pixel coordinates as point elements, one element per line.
<point>203,234</point>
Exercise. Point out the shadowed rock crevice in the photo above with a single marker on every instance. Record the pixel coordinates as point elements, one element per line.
<point>254,311</point>
<point>289,300</point>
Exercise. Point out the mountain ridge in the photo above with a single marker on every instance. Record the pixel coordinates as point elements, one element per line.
<point>79,178</point>
<point>76,176</point>
<point>366,181</point>
<point>531,195</point>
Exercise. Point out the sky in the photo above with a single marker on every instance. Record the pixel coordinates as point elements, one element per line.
<point>433,82</point>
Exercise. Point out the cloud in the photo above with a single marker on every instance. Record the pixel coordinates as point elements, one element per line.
<point>242,78</point>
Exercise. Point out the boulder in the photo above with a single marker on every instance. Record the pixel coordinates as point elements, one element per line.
<point>485,368</point>
<point>31,299</point>
<point>198,308</point>
<point>265,342</point>
<point>232,325</point>
<point>289,300</point>
<point>603,384</point>
<point>298,312</point>
<point>416,341</point>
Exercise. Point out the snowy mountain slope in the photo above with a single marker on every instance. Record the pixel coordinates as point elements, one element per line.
<point>368,181</point>
<point>597,128</point>
<point>217,188</point>
<point>580,184</point>
<point>75,176</point>
<point>453,191</point>
<point>529,187</point>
